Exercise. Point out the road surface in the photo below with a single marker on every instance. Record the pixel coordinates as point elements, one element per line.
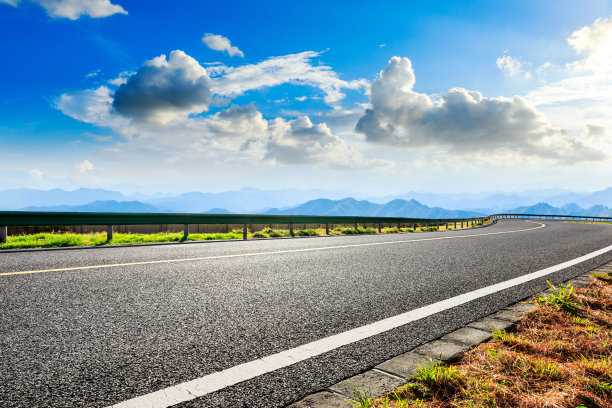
<point>100,326</point>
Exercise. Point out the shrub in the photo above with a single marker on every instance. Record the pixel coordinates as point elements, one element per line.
<point>306,232</point>
<point>392,230</point>
<point>278,233</point>
<point>259,234</point>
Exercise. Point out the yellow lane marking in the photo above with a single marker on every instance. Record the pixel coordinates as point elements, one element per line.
<point>204,258</point>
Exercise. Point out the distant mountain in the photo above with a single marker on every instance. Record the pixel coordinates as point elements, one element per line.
<point>252,200</point>
<point>217,211</point>
<point>568,209</point>
<point>603,197</point>
<point>245,200</point>
<point>100,206</point>
<point>351,206</point>
<point>499,201</point>
<point>24,197</point>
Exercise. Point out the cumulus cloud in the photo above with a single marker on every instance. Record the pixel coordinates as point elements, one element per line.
<point>462,121</point>
<point>299,141</point>
<point>590,79</point>
<point>84,166</point>
<point>595,42</point>
<point>220,43</point>
<point>73,9</point>
<point>91,106</point>
<point>239,128</point>
<point>164,90</point>
<point>229,135</point>
<point>512,67</point>
<point>593,132</point>
<point>297,69</point>
<point>121,79</point>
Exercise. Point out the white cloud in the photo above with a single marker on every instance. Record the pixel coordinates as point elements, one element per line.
<point>73,9</point>
<point>93,74</point>
<point>593,132</point>
<point>297,69</point>
<point>231,135</point>
<point>588,81</point>
<point>512,67</point>
<point>463,121</point>
<point>121,79</point>
<point>299,141</point>
<point>36,174</point>
<point>164,90</point>
<point>220,43</point>
<point>545,66</point>
<point>91,106</point>
<point>84,166</point>
<point>595,42</point>
<point>239,128</point>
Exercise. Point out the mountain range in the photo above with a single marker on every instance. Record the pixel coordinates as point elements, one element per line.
<point>297,201</point>
<point>394,208</point>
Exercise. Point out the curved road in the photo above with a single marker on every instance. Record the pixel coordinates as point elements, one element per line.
<point>95,327</point>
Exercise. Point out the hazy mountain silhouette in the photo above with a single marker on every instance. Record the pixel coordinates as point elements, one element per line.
<point>100,206</point>
<point>394,208</point>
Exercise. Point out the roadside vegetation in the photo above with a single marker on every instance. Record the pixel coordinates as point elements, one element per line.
<point>560,355</point>
<point>69,239</point>
<point>590,222</point>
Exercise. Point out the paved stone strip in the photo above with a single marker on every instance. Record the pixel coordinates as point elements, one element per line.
<point>393,373</point>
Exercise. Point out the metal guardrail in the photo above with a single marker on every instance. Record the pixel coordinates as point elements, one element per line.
<point>551,217</point>
<point>29,218</point>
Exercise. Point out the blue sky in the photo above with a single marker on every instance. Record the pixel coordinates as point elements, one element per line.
<point>380,98</point>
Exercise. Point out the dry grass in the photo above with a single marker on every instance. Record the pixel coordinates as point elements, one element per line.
<point>557,357</point>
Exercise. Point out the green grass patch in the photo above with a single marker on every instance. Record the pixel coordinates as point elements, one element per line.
<point>560,298</point>
<point>354,231</point>
<point>590,222</point>
<point>68,239</point>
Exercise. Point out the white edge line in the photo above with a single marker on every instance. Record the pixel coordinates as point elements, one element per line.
<point>207,384</point>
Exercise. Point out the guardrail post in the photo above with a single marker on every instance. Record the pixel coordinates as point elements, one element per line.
<point>245,231</point>
<point>291,229</point>
<point>109,233</point>
<point>185,231</point>
<point>356,225</point>
<point>326,229</point>
<point>3,234</point>
<point>379,228</point>
<point>399,226</point>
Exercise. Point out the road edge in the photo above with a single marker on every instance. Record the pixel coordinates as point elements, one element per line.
<point>392,373</point>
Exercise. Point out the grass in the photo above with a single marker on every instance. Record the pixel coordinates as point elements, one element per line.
<point>68,239</point>
<point>560,355</point>
<point>560,298</point>
<point>590,222</point>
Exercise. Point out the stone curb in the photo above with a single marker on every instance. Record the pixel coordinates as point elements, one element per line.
<point>391,374</point>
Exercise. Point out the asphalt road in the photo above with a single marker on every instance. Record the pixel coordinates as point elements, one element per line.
<point>99,336</point>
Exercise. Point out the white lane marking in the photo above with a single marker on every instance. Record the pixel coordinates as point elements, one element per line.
<point>204,258</point>
<point>216,381</point>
